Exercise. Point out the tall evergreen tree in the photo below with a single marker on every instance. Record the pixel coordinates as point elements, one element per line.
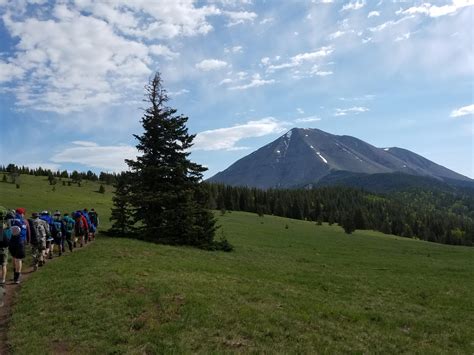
<point>166,193</point>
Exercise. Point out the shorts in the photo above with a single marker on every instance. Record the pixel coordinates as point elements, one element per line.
<point>17,250</point>
<point>40,244</point>
<point>3,256</point>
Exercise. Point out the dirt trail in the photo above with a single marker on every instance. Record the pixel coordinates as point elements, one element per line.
<point>11,296</point>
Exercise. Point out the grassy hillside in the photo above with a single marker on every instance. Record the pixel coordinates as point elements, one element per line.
<point>290,286</point>
<point>35,194</point>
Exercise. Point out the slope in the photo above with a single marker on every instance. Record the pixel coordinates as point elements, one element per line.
<point>304,156</point>
<point>290,286</point>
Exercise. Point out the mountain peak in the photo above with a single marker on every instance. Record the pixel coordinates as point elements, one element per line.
<point>306,155</point>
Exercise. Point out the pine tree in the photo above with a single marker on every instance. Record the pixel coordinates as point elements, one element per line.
<point>166,193</point>
<point>101,189</point>
<point>348,223</point>
<point>122,212</point>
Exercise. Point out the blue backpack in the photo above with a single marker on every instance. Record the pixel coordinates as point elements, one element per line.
<point>56,229</point>
<point>19,222</point>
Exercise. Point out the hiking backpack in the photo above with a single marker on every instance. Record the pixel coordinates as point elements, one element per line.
<point>5,236</point>
<point>68,225</point>
<point>93,218</point>
<point>18,222</point>
<point>56,229</point>
<point>79,227</point>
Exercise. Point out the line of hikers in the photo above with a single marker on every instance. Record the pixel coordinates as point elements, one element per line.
<point>45,233</point>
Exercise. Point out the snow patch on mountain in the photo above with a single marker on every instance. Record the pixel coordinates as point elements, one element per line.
<point>322,158</point>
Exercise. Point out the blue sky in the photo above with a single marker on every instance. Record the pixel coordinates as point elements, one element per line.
<point>393,73</point>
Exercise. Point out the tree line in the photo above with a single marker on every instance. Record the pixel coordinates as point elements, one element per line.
<point>427,215</point>
<point>14,172</point>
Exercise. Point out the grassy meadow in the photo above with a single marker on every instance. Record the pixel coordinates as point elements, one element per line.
<point>289,287</point>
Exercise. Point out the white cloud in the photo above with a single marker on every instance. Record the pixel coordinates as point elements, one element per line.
<point>153,19</point>
<point>463,111</point>
<point>336,34</point>
<point>390,23</point>
<point>300,110</point>
<point>90,154</point>
<point>354,5</point>
<point>322,73</point>
<point>226,81</point>
<point>178,93</point>
<point>161,50</point>
<point>232,3</point>
<point>403,37</point>
<point>354,110</point>
<point>85,143</point>
<point>211,64</point>
<point>9,71</point>
<point>74,63</point>
<point>255,82</point>
<point>239,17</point>
<point>308,119</point>
<point>437,11</point>
<point>266,20</point>
<point>265,60</point>
<point>235,49</point>
<point>227,138</point>
<point>300,59</point>
<point>373,13</point>
<point>85,54</point>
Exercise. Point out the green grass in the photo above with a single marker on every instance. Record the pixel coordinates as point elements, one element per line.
<point>36,195</point>
<point>303,289</point>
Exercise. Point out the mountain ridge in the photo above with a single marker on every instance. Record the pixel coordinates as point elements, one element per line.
<point>307,155</point>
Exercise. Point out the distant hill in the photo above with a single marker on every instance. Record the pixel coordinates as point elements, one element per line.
<point>311,157</point>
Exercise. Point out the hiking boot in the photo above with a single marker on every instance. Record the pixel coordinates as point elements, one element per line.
<point>16,278</point>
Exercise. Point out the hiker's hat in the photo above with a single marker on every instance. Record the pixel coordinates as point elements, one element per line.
<point>20,210</point>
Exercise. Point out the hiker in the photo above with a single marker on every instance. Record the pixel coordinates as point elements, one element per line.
<point>86,226</point>
<point>68,224</point>
<point>94,217</point>
<point>90,226</point>
<point>20,236</point>
<point>58,233</point>
<point>47,218</point>
<point>79,228</point>
<point>5,237</point>
<point>40,232</point>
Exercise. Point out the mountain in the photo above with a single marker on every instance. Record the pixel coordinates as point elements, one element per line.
<point>304,157</point>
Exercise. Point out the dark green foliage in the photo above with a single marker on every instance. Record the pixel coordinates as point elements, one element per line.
<point>51,178</point>
<point>430,215</point>
<point>122,212</point>
<point>4,179</point>
<point>165,191</point>
<point>17,186</point>
<point>348,223</point>
<point>101,189</point>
